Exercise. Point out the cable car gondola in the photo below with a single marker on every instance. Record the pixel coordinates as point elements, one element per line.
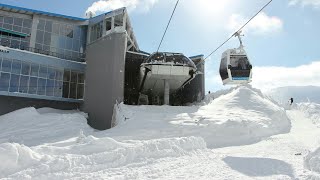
<point>235,67</point>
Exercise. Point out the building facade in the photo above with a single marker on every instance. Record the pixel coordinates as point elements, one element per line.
<point>66,62</point>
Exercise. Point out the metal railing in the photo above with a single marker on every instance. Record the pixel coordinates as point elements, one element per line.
<point>80,58</point>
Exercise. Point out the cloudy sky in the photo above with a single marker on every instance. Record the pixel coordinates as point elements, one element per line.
<point>282,42</point>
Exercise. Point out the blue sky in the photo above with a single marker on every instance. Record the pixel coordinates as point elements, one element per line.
<point>285,35</point>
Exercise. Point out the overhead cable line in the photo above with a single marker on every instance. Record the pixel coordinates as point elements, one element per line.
<point>168,25</point>
<point>238,30</point>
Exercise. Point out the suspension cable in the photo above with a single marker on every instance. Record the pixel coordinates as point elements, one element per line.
<point>168,25</point>
<point>238,30</point>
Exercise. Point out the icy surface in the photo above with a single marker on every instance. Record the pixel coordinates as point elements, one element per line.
<point>233,134</point>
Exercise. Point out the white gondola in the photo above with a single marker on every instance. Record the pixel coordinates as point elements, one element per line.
<point>235,67</point>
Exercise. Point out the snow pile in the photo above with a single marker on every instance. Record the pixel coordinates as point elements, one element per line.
<point>28,126</point>
<point>242,116</point>
<point>312,162</point>
<point>15,157</point>
<point>311,111</point>
<point>89,154</point>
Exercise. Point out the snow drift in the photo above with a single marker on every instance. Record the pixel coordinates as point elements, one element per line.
<point>311,111</point>
<point>28,126</point>
<point>242,115</point>
<point>312,162</point>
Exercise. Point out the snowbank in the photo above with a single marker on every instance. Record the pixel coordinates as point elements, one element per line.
<point>241,115</point>
<point>89,154</point>
<point>15,157</point>
<point>312,162</point>
<point>311,111</point>
<point>28,126</point>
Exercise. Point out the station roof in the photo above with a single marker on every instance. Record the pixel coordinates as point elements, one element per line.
<point>22,10</point>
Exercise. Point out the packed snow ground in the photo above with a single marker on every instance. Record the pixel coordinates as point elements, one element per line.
<point>234,134</point>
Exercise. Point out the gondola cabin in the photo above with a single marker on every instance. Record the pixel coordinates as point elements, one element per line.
<point>235,67</point>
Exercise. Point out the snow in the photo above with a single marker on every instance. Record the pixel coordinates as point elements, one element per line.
<point>233,134</point>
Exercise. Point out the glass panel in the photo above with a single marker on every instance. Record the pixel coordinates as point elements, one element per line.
<point>34,69</point>
<point>33,85</point>
<point>58,89</point>
<point>50,88</point>
<point>76,45</point>
<point>59,75</point>
<point>65,90</point>
<point>81,78</point>
<point>15,43</point>
<point>66,75</point>
<point>69,31</point>
<point>41,24</point>
<point>39,37</point>
<point>43,71</point>
<point>118,20</point>
<point>47,38</point>
<point>7,26</point>
<point>80,90</point>
<point>18,21</point>
<point>14,83</point>
<point>48,27</point>
<point>62,29</point>
<point>6,65</point>
<point>73,90</point>
<point>26,30</point>
<point>1,19</point>
<point>27,23</point>
<point>8,20</point>
<point>17,28</point>
<point>16,67</point>
<point>41,86</point>
<point>24,82</point>
<point>51,73</point>
<point>25,68</point>
<point>108,24</point>
<point>4,81</point>
<point>69,43</point>
<point>74,76</point>
<point>55,28</point>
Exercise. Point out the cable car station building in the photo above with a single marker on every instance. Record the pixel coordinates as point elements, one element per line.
<point>64,62</point>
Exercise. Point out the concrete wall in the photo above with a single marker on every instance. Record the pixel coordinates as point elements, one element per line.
<point>104,78</point>
<point>9,104</point>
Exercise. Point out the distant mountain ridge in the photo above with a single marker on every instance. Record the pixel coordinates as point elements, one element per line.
<point>298,93</point>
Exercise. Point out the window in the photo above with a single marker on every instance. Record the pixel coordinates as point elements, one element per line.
<point>33,84</point>
<point>16,67</point>
<point>41,24</point>
<point>24,82</point>
<point>48,26</point>
<point>14,83</point>
<point>34,70</point>
<point>18,21</point>
<point>25,68</point>
<point>41,86</point>
<point>4,81</point>
<point>6,65</point>
<point>108,24</point>
<point>43,71</point>
<point>50,87</point>
<point>118,20</point>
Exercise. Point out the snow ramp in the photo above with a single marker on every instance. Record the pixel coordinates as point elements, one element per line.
<point>241,115</point>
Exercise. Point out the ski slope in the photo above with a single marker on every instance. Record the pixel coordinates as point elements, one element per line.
<point>233,134</point>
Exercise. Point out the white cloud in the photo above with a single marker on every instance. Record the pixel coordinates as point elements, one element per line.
<point>270,77</point>
<point>266,78</point>
<point>313,3</point>
<point>262,24</point>
<point>109,5</point>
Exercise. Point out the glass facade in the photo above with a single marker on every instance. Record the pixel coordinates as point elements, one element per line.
<point>65,41</point>
<point>29,78</point>
<point>14,24</point>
